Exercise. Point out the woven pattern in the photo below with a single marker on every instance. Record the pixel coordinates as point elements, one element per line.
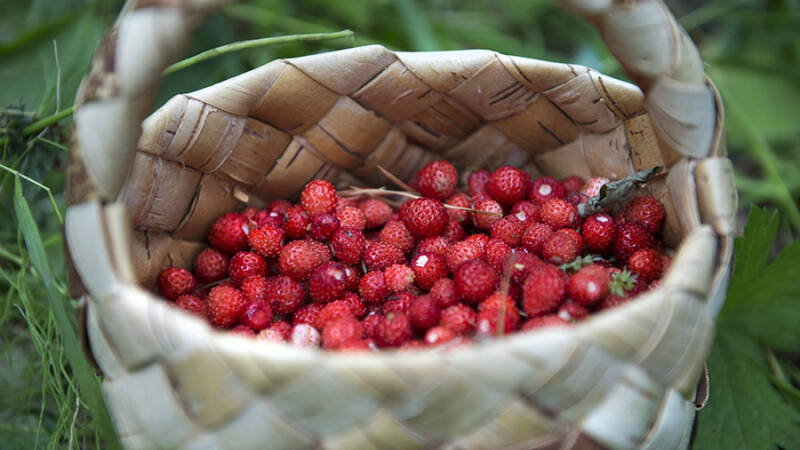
<point>620,380</point>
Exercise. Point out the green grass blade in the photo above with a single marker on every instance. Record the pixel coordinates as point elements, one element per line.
<point>59,305</point>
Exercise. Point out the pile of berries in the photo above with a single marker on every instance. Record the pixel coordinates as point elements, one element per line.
<point>347,271</point>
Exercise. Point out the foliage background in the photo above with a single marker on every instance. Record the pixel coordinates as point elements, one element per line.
<point>751,49</point>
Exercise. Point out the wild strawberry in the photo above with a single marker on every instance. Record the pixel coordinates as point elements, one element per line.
<point>341,330</point>
<point>380,255</point>
<point>461,252</point>
<point>551,320</point>
<point>249,212</point>
<point>559,213</point>
<point>376,212</point>
<point>254,288</point>
<point>229,233</point>
<point>438,179</point>
<point>521,263</point>
<point>225,306</point>
<point>479,197</point>
<point>507,185</point>
<point>593,185</point>
<point>428,268</point>
<point>352,217</point>
<point>474,280</point>
<point>332,311</point>
<point>526,211</point>
<point>598,233</point>
<point>323,226</point>
<point>370,324</point>
<point>284,294</point>
<point>348,245</point>
<point>296,223</point>
<point>318,197</point>
<point>478,239</point>
<point>459,318</point>
<point>444,291</point>
<point>454,231</point>
<point>413,344</point>
<point>372,287</point>
<point>279,206</point>
<point>546,188</point>
<point>398,277</point>
<point>438,335</point>
<point>534,237</point>
<point>265,218</point>
<point>625,283</point>
<point>257,315</point>
<point>304,335</point>
<point>572,184</point>
<point>646,263</point>
<point>562,246</point>
<point>266,241</point>
<point>242,330</point>
<point>245,264</point>
<point>572,312</point>
<point>393,330</point>
<point>270,335</point>
<point>589,284</point>
<point>351,277</point>
<point>211,265</point>
<point>193,305</point>
<point>646,210</point>
<point>328,282</point>
<point>396,233</point>
<point>497,315</point>
<point>397,302</point>
<point>298,259</point>
<point>174,282</point>
<point>461,200</point>
<point>359,345</point>
<point>496,253</point>
<point>630,237</point>
<point>543,290</point>
<point>509,229</point>
<point>424,312</point>
<point>355,304</point>
<point>486,213</point>
<point>436,245</point>
<point>308,314</point>
<point>424,217</point>
<point>346,202</point>
<point>476,182</point>
<point>283,328</point>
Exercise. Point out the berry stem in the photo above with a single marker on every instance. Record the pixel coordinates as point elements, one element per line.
<point>356,191</point>
<point>394,179</point>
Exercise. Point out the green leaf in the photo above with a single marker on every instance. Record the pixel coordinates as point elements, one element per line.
<point>87,381</point>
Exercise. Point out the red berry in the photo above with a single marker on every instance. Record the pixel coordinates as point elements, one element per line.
<point>482,220</point>
<point>424,312</point>
<point>398,277</point>
<point>461,252</point>
<point>393,330</point>
<point>352,277</point>
<point>211,265</point>
<point>559,213</point>
<point>459,199</point>
<point>439,335</point>
<point>444,291</point>
<point>572,312</point>
<point>438,179</point>
<point>476,182</point>
<point>284,294</point>
<point>332,311</point>
<point>593,185</point>
<point>279,206</point>
<point>340,331</point>
<point>372,287</point>
<point>229,233</point>
<point>507,185</point>
<point>526,211</point>
<point>254,288</point>
<point>283,328</point>
<point>298,259</point>
<point>376,212</point>
<point>355,304</point>
<point>630,237</point>
<point>646,210</point>
<point>546,188</point>
<point>257,315</point>
<point>454,231</point>
<point>572,183</point>
<point>543,290</point>
<point>296,223</point>
<point>243,330</point>
<point>436,245</point>
<point>304,335</point>
<point>562,246</point>
<point>646,263</point>
<point>266,241</point>
<point>358,345</point>
<point>380,255</point>
<point>318,197</point>
<point>328,282</point>
<point>268,219</point>
<point>497,315</point>
<point>348,245</point>
<point>397,302</point>
<point>193,305</point>
<point>496,253</point>
<point>351,217</point>
<point>323,226</point>
<point>478,239</point>
<point>459,318</point>
<point>428,268</point>
<point>174,282</point>
<point>424,217</point>
<point>552,320</point>
<point>396,233</point>
<point>534,237</point>
<point>509,229</point>
<point>474,280</point>
<point>270,335</point>
<point>521,263</point>
<point>598,233</point>
<point>589,284</point>
<point>307,314</point>
<point>225,306</point>
<point>370,324</point>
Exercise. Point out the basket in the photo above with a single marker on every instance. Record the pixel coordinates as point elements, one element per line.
<point>142,198</point>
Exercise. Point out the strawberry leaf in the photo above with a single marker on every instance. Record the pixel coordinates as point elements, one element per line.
<point>746,408</point>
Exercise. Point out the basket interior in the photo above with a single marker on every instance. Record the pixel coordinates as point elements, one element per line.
<point>335,116</point>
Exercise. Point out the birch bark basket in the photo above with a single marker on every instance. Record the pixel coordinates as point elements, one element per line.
<point>144,191</point>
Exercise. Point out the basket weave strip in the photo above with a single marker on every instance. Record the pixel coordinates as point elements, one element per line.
<point>622,379</point>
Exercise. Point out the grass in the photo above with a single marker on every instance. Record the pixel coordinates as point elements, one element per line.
<point>751,49</point>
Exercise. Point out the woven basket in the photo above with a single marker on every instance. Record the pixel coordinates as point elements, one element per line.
<point>624,378</point>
